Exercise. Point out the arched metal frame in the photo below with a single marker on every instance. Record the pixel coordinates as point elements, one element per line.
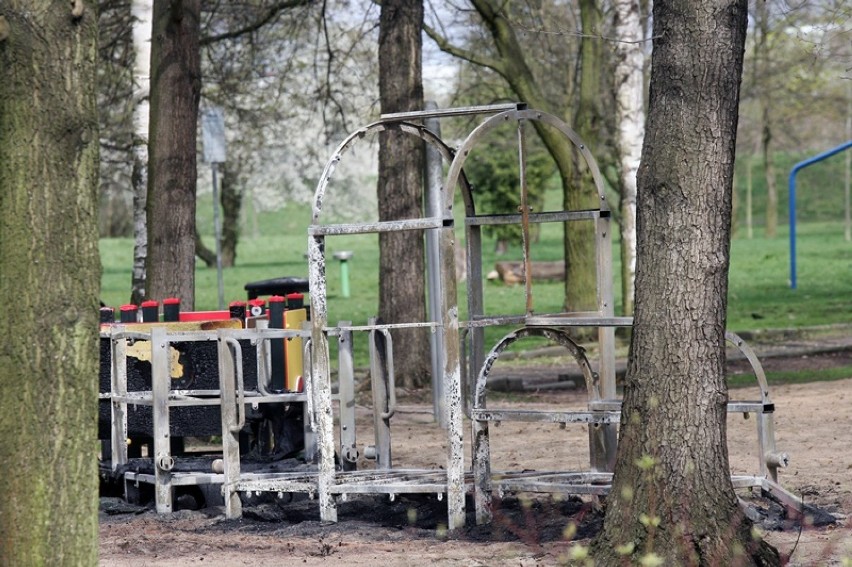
<point>444,224</point>
<point>604,407</point>
<point>480,417</point>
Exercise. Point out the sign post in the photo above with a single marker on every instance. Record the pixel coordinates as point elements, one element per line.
<point>215,149</point>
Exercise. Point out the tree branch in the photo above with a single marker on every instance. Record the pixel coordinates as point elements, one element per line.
<point>264,19</point>
<point>445,46</point>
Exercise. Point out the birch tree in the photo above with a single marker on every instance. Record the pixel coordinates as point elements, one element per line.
<point>142,14</point>
<point>630,122</point>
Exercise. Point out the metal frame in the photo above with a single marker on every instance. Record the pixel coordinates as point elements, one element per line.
<point>231,397</point>
<point>604,408</point>
<point>462,354</point>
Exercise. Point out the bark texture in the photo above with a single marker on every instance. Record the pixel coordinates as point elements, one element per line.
<point>581,286</point>
<point>49,283</point>
<point>672,493</point>
<point>402,296</point>
<point>175,91</point>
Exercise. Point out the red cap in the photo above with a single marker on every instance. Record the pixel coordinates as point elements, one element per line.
<point>277,299</point>
<point>295,296</point>
<point>150,303</point>
<point>128,307</point>
<point>257,301</point>
<point>237,304</point>
<point>171,301</point>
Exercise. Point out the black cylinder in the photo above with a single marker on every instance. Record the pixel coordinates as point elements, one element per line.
<point>107,315</point>
<point>171,309</point>
<point>128,313</point>
<point>237,309</point>
<point>150,311</point>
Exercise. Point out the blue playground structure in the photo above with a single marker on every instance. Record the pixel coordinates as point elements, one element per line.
<point>792,200</point>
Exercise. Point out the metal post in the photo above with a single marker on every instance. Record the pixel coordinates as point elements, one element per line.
<point>603,437</point>
<point>230,429</point>
<point>379,377</point>
<point>343,257</point>
<point>320,379</point>
<point>160,386</point>
<point>346,393</point>
<point>791,187</point>
<point>118,388</point>
<point>434,177</point>
<point>217,229</point>
<point>214,146</point>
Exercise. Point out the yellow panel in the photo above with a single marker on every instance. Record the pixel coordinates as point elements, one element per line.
<point>293,319</point>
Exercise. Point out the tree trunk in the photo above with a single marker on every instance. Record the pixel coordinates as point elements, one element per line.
<point>142,12</point>
<point>402,296</point>
<point>49,283</point>
<point>630,119</point>
<point>232,202</point>
<point>761,57</point>
<point>207,256</point>
<point>672,493</point>
<point>580,288</point>
<point>175,90</point>
<point>769,171</point>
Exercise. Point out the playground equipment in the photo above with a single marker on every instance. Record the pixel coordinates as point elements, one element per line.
<point>160,384</point>
<point>791,194</point>
<point>465,365</point>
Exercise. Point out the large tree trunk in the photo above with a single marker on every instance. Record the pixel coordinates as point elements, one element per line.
<point>49,283</point>
<point>402,296</point>
<point>630,120</point>
<point>175,91</point>
<point>142,12</point>
<point>672,493</point>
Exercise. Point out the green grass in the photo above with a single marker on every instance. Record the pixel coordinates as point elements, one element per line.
<point>760,296</point>
<point>759,292</point>
<point>792,377</point>
<point>819,187</point>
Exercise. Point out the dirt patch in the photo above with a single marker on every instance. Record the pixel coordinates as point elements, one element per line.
<point>812,424</point>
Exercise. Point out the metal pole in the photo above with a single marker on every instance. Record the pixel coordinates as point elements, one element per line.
<point>791,182</point>
<point>847,232</point>
<point>217,228</point>
<point>434,177</point>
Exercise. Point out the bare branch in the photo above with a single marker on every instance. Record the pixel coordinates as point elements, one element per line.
<point>270,14</point>
<point>445,46</point>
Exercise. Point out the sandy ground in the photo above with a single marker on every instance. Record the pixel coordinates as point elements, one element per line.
<point>813,423</point>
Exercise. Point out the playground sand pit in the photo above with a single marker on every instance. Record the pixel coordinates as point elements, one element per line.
<point>813,423</point>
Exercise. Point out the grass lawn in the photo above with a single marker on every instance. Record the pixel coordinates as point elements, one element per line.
<point>759,292</point>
